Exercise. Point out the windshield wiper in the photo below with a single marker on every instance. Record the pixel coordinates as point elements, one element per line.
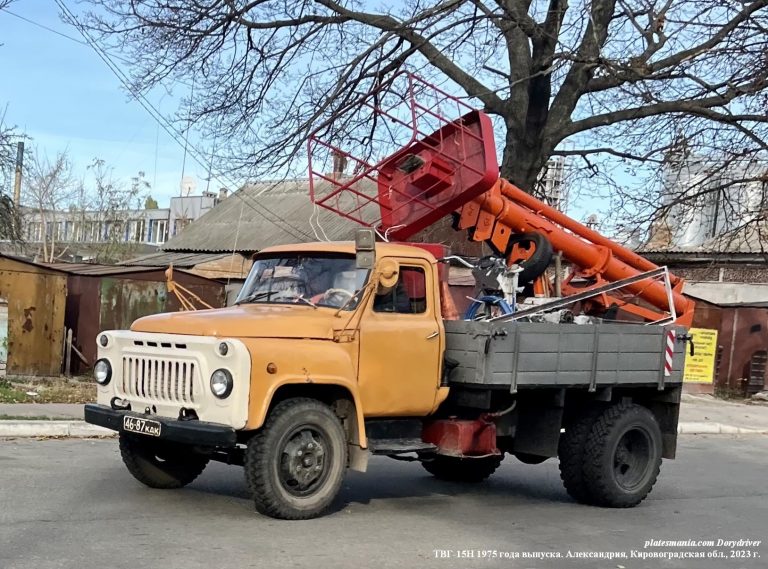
<point>306,301</point>
<point>257,296</point>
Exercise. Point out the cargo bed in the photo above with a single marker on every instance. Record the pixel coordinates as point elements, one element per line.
<point>516,355</point>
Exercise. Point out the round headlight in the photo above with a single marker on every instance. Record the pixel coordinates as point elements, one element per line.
<point>221,383</point>
<point>102,372</point>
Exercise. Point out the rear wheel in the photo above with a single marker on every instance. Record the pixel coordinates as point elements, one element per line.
<point>622,456</point>
<point>454,469</point>
<point>295,464</point>
<point>571,453</point>
<point>160,464</point>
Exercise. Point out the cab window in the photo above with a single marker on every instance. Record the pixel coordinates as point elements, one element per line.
<point>408,296</point>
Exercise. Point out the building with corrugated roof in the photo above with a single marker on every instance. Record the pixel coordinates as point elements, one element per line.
<point>263,214</point>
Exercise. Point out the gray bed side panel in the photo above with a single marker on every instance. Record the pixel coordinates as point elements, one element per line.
<point>560,354</point>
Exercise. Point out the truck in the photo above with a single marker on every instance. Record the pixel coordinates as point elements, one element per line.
<point>337,351</point>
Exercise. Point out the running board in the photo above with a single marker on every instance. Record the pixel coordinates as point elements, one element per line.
<point>399,446</point>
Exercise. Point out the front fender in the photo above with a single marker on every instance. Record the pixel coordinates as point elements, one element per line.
<point>279,362</point>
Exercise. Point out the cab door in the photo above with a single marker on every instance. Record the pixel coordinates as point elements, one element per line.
<point>401,335</point>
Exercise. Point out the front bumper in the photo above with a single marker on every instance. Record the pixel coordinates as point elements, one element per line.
<point>192,432</point>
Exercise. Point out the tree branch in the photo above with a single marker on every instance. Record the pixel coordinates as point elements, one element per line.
<point>638,70</point>
<point>695,106</point>
<point>580,73</point>
<point>473,87</point>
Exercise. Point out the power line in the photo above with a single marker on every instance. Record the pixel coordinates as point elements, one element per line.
<point>54,31</point>
<point>170,129</point>
<point>43,26</point>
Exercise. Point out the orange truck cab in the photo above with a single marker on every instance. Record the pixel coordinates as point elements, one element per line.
<point>336,351</point>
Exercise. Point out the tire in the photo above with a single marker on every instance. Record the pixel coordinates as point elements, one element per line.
<point>622,456</point>
<point>160,464</point>
<point>295,464</point>
<point>454,469</point>
<point>570,451</point>
<point>539,260</point>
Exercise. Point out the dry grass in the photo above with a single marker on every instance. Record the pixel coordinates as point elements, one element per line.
<point>47,390</point>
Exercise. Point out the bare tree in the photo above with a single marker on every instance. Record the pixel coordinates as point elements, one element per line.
<point>107,207</point>
<point>615,83</point>
<point>10,221</point>
<point>50,187</point>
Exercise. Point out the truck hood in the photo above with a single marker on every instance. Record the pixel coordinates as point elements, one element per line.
<point>246,321</point>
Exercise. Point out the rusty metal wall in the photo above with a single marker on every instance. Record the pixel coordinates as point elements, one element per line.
<point>36,300</point>
<point>83,315</point>
<point>125,300</point>
<point>210,291</point>
<point>97,303</point>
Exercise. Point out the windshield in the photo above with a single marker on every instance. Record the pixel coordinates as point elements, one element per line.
<point>317,279</point>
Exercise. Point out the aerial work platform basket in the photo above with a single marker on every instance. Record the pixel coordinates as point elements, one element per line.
<point>415,160</point>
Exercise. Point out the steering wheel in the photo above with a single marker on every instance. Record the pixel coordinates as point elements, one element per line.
<point>345,295</point>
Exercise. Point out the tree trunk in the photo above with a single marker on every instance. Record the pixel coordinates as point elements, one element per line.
<point>53,237</point>
<point>43,233</point>
<point>521,164</point>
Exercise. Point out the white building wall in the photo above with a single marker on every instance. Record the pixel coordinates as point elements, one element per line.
<point>552,183</point>
<point>705,200</point>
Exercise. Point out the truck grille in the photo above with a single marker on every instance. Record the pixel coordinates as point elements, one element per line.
<point>162,380</point>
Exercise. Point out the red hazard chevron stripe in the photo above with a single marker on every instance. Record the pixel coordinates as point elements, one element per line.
<point>670,353</point>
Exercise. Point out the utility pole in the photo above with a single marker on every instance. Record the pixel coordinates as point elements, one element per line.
<point>17,180</point>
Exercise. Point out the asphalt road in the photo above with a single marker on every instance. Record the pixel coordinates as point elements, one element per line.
<point>71,504</point>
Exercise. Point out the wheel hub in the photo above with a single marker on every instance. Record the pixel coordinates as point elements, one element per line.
<point>303,462</point>
<point>632,458</point>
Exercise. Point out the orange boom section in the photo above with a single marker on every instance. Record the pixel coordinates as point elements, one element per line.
<point>506,209</point>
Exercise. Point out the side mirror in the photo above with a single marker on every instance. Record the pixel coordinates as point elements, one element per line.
<point>389,273</point>
<point>365,249</point>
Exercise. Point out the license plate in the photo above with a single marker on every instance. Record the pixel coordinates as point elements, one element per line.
<point>142,426</point>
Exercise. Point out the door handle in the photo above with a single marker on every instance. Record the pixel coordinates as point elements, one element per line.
<point>434,334</point>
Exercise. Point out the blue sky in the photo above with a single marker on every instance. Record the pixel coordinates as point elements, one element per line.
<point>64,97</point>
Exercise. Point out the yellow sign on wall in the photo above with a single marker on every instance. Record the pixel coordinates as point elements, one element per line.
<point>700,367</point>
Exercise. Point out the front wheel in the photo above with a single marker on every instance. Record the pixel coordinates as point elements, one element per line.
<point>455,469</point>
<point>295,464</point>
<point>160,464</point>
<point>622,456</point>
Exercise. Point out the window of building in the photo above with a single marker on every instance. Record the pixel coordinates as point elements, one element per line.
<point>408,296</point>
<point>140,229</point>
<point>158,231</point>
<point>33,231</point>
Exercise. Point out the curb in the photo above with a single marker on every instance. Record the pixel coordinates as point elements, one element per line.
<point>77,429</point>
<point>708,428</point>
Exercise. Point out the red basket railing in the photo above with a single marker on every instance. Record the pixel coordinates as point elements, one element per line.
<point>421,154</point>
